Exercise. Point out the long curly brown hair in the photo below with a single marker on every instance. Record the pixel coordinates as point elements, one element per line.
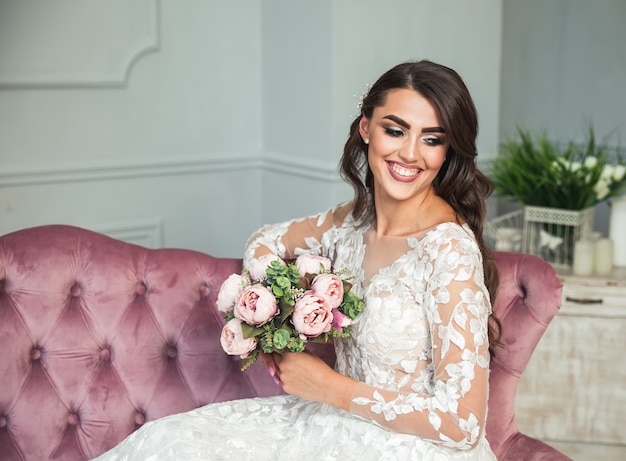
<point>459,181</point>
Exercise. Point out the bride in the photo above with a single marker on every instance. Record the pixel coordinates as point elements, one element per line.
<point>411,382</point>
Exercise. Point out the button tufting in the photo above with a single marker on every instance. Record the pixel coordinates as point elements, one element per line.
<point>141,289</point>
<point>140,418</point>
<point>3,422</point>
<point>172,352</point>
<point>76,290</point>
<point>72,419</point>
<point>204,291</point>
<point>35,353</point>
<point>105,355</point>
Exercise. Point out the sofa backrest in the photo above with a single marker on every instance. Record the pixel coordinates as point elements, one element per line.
<point>99,336</point>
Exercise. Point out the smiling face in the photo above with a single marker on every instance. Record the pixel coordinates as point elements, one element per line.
<point>407,147</point>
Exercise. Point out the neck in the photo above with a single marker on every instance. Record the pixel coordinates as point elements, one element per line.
<point>403,218</point>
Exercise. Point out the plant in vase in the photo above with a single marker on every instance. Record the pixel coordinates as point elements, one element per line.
<point>559,187</point>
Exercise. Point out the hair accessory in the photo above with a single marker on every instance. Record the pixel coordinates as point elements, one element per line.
<point>363,96</point>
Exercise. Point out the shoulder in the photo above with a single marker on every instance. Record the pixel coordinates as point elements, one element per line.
<point>451,238</point>
<point>342,214</point>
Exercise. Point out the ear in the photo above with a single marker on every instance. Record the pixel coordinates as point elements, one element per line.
<point>364,129</point>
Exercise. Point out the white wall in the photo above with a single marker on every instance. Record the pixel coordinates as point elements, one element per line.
<point>189,124</point>
<point>318,57</point>
<point>125,137</point>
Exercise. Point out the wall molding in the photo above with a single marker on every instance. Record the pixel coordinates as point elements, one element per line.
<point>146,232</point>
<point>34,176</point>
<point>43,75</point>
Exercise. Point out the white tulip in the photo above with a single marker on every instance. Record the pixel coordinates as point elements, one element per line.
<point>590,162</point>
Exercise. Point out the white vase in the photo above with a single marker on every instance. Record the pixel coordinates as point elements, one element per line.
<point>617,228</point>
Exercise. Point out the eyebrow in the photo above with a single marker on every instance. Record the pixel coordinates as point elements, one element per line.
<point>405,124</point>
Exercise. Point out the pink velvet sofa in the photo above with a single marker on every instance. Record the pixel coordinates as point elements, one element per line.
<point>98,336</point>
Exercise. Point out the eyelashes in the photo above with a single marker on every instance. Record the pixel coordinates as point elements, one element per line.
<point>432,140</point>
<point>429,139</point>
<point>396,133</point>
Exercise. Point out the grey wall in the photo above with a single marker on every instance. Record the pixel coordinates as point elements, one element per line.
<point>563,66</point>
<point>190,124</point>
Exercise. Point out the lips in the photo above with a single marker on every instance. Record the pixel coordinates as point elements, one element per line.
<point>403,173</point>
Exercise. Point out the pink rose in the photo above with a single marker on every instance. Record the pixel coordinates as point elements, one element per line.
<point>256,305</point>
<point>340,320</point>
<point>329,286</point>
<point>258,266</point>
<point>311,315</point>
<point>233,342</point>
<point>229,292</point>
<point>311,264</point>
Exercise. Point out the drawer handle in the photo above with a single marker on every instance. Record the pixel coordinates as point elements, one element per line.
<point>583,300</point>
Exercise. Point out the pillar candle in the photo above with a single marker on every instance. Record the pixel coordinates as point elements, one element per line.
<point>583,257</point>
<point>603,256</point>
<point>617,228</point>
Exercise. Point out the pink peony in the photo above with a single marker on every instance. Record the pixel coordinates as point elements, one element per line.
<point>311,315</point>
<point>329,286</point>
<point>340,320</point>
<point>256,305</point>
<point>229,292</point>
<point>232,339</point>
<point>259,265</point>
<point>311,264</point>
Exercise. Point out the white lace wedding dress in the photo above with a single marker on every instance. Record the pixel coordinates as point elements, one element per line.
<point>419,350</point>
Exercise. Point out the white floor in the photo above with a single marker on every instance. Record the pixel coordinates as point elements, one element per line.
<point>588,452</point>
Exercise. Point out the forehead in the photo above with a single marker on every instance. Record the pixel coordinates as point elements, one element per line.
<point>407,103</point>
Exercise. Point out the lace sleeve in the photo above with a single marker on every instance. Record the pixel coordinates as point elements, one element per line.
<point>292,238</point>
<point>453,409</point>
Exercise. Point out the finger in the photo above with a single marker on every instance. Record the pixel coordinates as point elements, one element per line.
<point>273,374</point>
<point>272,368</point>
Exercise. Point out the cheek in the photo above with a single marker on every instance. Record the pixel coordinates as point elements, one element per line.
<point>379,148</point>
<point>434,159</point>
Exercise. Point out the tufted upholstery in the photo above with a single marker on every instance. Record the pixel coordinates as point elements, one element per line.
<point>98,336</point>
<point>529,296</point>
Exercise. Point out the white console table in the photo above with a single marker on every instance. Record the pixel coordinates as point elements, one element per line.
<point>574,388</point>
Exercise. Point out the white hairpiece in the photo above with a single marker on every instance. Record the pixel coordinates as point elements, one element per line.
<point>363,96</point>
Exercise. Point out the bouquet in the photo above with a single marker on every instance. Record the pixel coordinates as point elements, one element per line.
<point>278,306</point>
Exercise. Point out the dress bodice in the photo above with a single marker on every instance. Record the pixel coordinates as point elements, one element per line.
<point>420,348</point>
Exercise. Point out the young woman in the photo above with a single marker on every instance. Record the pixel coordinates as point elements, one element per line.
<point>411,382</point>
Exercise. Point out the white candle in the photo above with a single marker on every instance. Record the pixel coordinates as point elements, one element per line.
<point>603,256</point>
<point>583,257</point>
<point>617,227</point>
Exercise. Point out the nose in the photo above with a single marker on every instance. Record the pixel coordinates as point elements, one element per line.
<point>410,151</point>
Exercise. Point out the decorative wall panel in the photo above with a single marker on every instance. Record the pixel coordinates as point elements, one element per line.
<point>73,43</point>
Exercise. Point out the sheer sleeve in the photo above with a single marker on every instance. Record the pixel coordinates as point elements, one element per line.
<point>291,238</point>
<point>453,408</point>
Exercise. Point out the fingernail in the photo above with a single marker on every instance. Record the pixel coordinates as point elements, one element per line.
<point>272,371</point>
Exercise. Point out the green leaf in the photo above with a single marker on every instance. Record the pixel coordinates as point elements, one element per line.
<point>286,309</point>
<point>249,360</point>
<point>250,331</point>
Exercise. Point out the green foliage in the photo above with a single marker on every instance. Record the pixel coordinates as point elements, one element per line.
<point>352,305</point>
<point>536,171</point>
<point>281,279</point>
